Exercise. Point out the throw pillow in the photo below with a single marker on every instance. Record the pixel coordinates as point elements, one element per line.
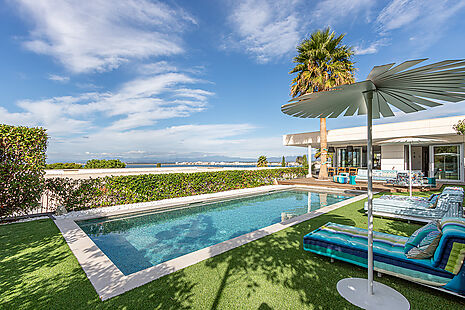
<point>415,239</point>
<point>423,242</point>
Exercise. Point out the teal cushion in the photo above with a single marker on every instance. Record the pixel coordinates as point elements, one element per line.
<point>429,231</point>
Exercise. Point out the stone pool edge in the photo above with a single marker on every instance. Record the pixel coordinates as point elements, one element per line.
<point>108,281</point>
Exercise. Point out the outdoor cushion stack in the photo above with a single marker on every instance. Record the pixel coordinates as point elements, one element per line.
<point>441,265</point>
<point>447,204</point>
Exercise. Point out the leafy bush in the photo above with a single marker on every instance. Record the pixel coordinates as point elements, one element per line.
<point>102,163</point>
<point>22,163</point>
<point>460,127</point>
<point>92,193</point>
<point>64,166</point>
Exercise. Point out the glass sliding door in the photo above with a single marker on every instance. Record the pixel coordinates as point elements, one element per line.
<point>349,158</point>
<point>446,162</point>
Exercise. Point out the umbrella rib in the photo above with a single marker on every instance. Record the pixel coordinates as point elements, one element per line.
<point>434,67</point>
<point>403,66</point>
<point>383,106</point>
<point>418,100</point>
<point>420,72</point>
<point>429,94</point>
<point>408,103</point>
<point>395,103</point>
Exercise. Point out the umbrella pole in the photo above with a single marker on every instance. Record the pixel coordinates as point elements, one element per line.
<point>369,102</point>
<point>410,168</point>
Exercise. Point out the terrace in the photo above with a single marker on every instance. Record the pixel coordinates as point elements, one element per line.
<point>39,271</point>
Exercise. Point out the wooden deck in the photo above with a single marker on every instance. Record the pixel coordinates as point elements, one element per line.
<point>362,186</point>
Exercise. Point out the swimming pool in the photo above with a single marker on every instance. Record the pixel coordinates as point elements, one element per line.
<point>139,241</point>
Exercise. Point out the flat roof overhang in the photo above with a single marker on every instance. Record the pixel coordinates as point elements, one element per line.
<point>437,128</point>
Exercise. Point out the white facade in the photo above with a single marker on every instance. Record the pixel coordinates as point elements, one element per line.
<point>443,160</point>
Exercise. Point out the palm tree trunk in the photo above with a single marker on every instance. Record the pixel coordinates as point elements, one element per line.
<point>323,175</point>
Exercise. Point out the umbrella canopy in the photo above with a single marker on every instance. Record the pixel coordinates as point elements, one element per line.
<point>405,90</point>
<point>402,88</point>
<point>410,141</point>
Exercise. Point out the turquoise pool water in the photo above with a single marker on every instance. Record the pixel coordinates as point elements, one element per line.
<point>137,242</point>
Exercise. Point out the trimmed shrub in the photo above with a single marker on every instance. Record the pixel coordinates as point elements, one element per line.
<point>93,193</point>
<point>103,163</point>
<point>22,163</point>
<point>64,166</point>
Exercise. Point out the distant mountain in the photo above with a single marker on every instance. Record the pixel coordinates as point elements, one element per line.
<point>151,159</point>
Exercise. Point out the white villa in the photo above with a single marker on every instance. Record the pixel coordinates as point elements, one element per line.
<point>444,160</point>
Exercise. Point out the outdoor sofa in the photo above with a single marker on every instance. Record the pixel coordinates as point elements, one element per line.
<point>402,179</point>
<point>377,175</point>
<point>443,269</point>
<point>447,204</point>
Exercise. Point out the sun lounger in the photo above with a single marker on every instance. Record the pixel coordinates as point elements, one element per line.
<point>447,204</point>
<point>444,270</point>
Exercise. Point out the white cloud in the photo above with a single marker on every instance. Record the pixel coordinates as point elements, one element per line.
<point>335,11</point>
<point>267,30</point>
<point>157,67</point>
<point>372,48</point>
<point>121,124</point>
<point>101,35</point>
<point>137,103</point>
<point>58,78</point>
<point>425,19</point>
<point>185,141</point>
<point>399,13</point>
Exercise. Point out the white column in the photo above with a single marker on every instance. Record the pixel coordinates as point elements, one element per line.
<point>309,160</point>
<point>410,169</point>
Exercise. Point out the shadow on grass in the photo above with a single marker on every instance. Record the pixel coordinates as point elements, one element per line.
<point>282,261</point>
<point>38,271</point>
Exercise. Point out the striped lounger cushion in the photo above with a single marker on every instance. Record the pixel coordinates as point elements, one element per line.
<point>350,244</point>
<point>451,250</point>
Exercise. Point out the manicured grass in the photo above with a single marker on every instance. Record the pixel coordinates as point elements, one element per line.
<point>38,271</point>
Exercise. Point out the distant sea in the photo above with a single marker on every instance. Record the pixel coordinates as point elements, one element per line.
<point>244,165</point>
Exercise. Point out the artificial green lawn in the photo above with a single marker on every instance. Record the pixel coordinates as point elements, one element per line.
<point>38,271</point>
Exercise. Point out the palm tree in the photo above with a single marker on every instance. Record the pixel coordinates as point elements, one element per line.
<point>322,62</point>
<point>262,161</point>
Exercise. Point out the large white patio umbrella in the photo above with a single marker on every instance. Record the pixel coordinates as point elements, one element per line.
<point>411,141</point>
<point>409,91</point>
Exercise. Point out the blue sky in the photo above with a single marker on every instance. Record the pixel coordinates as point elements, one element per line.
<point>153,81</point>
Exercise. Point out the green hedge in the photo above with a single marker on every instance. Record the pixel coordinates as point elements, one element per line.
<point>22,163</point>
<point>64,166</point>
<point>103,163</point>
<point>98,192</point>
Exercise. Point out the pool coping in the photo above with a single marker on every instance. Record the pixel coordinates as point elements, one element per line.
<point>108,281</point>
